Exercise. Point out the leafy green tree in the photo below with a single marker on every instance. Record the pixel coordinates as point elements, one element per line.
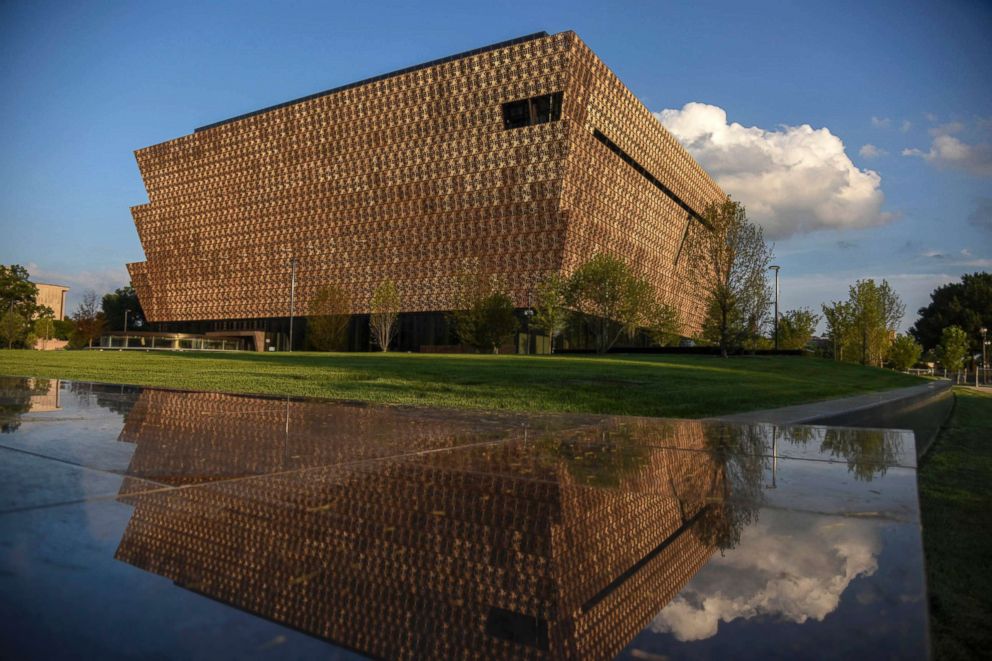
<point>609,299</point>
<point>966,304</point>
<point>550,311</point>
<point>13,328</point>
<point>116,303</point>
<point>44,328</point>
<point>486,318</point>
<point>17,293</point>
<point>63,329</point>
<point>904,353</point>
<point>384,310</point>
<point>840,328</point>
<point>731,470</point>
<point>730,262</point>
<point>327,319</point>
<point>869,453</point>
<point>796,328</point>
<point>664,325</point>
<point>88,320</point>
<point>953,348</point>
<point>875,311</point>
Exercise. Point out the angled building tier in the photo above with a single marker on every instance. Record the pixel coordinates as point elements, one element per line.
<point>518,159</point>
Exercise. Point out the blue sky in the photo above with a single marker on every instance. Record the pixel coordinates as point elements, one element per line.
<point>85,84</point>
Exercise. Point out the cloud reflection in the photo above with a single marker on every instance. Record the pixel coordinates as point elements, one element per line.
<point>784,568</point>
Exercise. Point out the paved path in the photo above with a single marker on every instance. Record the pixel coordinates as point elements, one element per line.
<point>831,408</point>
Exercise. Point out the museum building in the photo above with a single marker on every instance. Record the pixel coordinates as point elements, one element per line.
<point>517,160</point>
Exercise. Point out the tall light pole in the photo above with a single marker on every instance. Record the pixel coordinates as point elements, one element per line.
<point>983,330</point>
<point>776,268</point>
<point>125,328</point>
<point>292,300</point>
<point>528,313</point>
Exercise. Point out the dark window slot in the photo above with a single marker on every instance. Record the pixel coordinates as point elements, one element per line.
<point>626,158</point>
<point>685,233</point>
<point>517,628</point>
<point>637,566</point>
<point>528,112</point>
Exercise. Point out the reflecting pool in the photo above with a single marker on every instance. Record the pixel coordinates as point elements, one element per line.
<point>138,522</point>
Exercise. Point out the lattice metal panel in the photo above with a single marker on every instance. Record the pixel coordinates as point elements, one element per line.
<point>408,556</point>
<point>413,178</point>
<point>610,206</point>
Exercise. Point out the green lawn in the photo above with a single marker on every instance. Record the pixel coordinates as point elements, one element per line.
<point>660,385</point>
<point>956,501</point>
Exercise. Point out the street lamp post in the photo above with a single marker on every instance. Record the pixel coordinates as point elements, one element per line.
<point>776,269</point>
<point>985,364</point>
<point>125,328</point>
<point>528,313</point>
<point>292,300</point>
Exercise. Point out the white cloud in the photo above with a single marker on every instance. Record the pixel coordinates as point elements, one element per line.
<point>946,151</point>
<point>905,126</point>
<point>778,569</point>
<point>794,179</point>
<point>949,128</point>
<point>881,122</point>
<point>871,151</point>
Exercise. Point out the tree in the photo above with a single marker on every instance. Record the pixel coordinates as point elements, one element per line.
<point>731,485</point>
<point>485,319</point>
<point>384,311</point>
<point>966,304</point>
<point>89,321</point>
<point>327,319</point>
<point>953,348</point>
<point>13,328</point>
<point>730,263</point>
<point>550,313</point>
<point>17,292</point>
<point>796,328</point>
<point>875,311</point>
<point>63,329</point>
<point>839,326</point>
<point>44,328</point>
<point>664,325</point>
<point>869,453</point>
<point>609,298</point>
<point>115,304</point>
<point>904,353</point>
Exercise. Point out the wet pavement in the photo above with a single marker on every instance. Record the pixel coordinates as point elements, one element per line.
<point>138,522</point>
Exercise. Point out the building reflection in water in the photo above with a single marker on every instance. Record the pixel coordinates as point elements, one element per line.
<point>22,395</point>
<point>405,533</point>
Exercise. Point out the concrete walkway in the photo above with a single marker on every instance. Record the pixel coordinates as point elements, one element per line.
<point>817,412</point>
<point>922,409</point>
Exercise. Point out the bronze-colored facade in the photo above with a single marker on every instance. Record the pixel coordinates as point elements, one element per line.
<point>471,543</point>
<point>421,177</point>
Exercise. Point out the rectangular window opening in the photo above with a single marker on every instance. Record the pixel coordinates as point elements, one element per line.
<point>536,110</point>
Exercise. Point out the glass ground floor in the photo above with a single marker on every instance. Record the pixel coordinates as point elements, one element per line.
<point>424,332</point>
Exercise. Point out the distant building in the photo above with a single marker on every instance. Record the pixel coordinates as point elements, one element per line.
<point>45,395</point>
<point>52,296</point>
<point>520,159</point>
